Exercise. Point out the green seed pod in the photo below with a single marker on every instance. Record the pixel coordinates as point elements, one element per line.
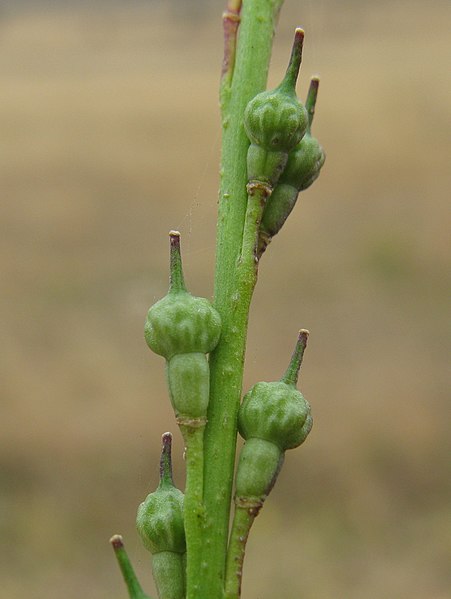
<point>160,525</point>
<point>184,328</point>
<point>189,385</point>
<point>181,323</point>
<point>275,122</point>
<point>273,417</point>
<point>276,412</point>
<point>160,516</point>
<point>169,575</point>
<point>259,464</point>
<point>302,169</point>
<point>306,159</point>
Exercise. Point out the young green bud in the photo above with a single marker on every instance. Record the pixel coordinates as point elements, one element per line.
<point>181,323</point>
<point>160,517</point>
<point>307,158</point>
<point>276,412</point>
<point>275,122</point>
<point>302,169</point>
<point>273,417</point>
<point>183,329</point>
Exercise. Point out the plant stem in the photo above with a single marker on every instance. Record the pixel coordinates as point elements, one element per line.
<point>194,513</point>
<point>134,588</point>
<point>243,519</point>
<point>232,296</point>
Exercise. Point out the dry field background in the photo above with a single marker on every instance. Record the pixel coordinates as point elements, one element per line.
<point>109,138</point>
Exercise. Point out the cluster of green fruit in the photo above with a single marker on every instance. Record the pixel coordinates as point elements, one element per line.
<point>273,417</point>
<point>283,155</point>
<point>283,159</point>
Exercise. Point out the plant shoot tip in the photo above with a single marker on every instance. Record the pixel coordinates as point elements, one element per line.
<point>299,32</point>
<point>117,541</point>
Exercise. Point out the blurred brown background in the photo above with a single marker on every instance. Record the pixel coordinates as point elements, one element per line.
<point>109,138</point>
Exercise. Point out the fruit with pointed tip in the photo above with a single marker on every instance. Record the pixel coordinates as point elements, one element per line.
<point>183,329</point>
<point>275,122</point>
<point>273,417</point>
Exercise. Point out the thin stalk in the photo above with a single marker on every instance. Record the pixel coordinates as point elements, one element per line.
<point>232,293</point>
<point>310,102</point>
<point>133,587</point>
<point>194,513</point>
<point>247,268</point>
<point>230,22</point>
<point>243,519</point>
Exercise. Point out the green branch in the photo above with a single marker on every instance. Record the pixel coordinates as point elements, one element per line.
<point>193,506</point>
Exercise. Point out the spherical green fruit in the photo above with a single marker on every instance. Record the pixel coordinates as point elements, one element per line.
<point>160,521</point>
<point>181,323</point>
<point>275,412</point>
<point>160,516</point>
<point>275,120</point>
<point>304,164</point>
<point>302,169</point>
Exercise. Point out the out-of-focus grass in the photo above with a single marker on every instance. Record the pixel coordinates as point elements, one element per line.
<point>110,137</point>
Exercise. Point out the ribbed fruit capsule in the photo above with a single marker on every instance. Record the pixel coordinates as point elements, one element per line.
<point>275,122</point>
<point>161,527</point>
<point>183,329</point>
<point>302,169</point>
<point>273,417</point>
<point>160,515</point>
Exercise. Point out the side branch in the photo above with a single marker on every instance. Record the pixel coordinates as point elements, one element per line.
<point>230,21</point>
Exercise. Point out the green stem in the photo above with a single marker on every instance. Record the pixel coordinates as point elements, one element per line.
<point>194,513</point>
<point>232,297</point>
<point>243,519</point>
<point>134,588</point>
<point>235,279</point>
